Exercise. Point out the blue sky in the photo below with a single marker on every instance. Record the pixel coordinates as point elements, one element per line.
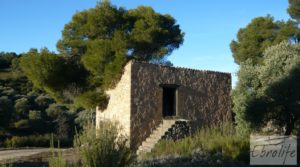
<point>209,25</point>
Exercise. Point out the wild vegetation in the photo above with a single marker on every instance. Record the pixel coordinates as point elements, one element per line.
<point>267,89</point>
<point>43,92</point>
<point>232,146</point>
<point>27,115</point>
<point>104,146</point>
<point>95,46</point>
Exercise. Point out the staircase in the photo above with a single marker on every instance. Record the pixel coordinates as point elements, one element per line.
<point>159,133</point>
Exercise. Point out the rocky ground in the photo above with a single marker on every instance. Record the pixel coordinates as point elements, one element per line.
<point>198,159</point>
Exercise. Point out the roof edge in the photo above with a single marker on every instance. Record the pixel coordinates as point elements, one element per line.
<point>177,67</point>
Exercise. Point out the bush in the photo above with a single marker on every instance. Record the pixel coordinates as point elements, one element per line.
<point>9,92</point>
<point>6,59</point>
<point>29,141</point>
<point>22,124</point>
<point>43,101</point>
<point>35,141</point>
<point>57,159</point>
<point>54,110</point>
<point>65,125</point>
<point>6,109</point>
<point>35,115</point>
<point>107,148</point>
<point>209,140</point>
<point>22,106</point>
<point>85,116</point>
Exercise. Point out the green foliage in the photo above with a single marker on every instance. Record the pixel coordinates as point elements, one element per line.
<point>23,111</point>
<point>294,9</point>
<point>8,92</point>
<point>95,46</point>
<point>35,115</point>
<point>43,70</point>
<point>85,116</point>
<point>22,124</point>
<point>6,164</point>
<point>56,159</point>
<point>107,148</point>
<point>15,65</point>
<point>63,119</point>
<point>6,110</point>
<point>102,40</point>
<point>243,93</point>
<point>65,126</point>
<point>29,141</point>
<point>91,99</point>
<point>22,106</point>
<point>54,110</point>
<point>43,101</point>
<point>145,32</point>
<point>261,33</point>
<point>6,59</point>
<point>105,60</point>
<point>210,140</point>
<point>269,92</point>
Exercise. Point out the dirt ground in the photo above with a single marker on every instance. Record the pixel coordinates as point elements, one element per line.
<point>34,157</point>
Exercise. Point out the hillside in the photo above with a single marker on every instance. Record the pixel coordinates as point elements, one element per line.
<point>29,116</point>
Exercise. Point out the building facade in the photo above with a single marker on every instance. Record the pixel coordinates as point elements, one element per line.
<point>149,93</point>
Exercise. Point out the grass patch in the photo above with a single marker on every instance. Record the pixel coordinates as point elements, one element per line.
<point>6,164</point>
<point>210,140</point>
<point>56,159</point>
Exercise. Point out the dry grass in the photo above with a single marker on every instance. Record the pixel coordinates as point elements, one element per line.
<point>221,139</point>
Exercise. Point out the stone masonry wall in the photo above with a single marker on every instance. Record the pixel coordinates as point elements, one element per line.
<point>179,130</point>
<point>203,97</point>
<point>118,108</point>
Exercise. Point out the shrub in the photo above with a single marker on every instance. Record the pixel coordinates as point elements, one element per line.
<point>29,141</point>
<point>6,164</point>
<point>9,92</point>
<point>43,101</point>
<point>54,110</point>
<point>22,106</point>
<point>107,148</point>
<point>65,125</point>
<point>22,124</point>
<point>85,116</point>
<point>6,109</point>
<point>209,140</point>
<point>34,115</point>
<point>56,159</point>
<point>34,141</point>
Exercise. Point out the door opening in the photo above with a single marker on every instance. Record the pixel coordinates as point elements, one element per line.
<point>169,101</point>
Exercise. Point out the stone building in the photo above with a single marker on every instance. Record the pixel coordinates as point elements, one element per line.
<point>150,99</point>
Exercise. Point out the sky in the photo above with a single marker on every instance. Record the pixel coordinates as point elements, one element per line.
<point>209,25</point>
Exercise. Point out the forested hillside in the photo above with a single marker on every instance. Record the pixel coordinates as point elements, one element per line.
<point>28,116</point>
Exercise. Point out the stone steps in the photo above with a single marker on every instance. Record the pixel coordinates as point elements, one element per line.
<point>159,133</point>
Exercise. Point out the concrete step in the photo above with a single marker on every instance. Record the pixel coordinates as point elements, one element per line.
<point>153,139</point>
<point>150,144</point>
<point>158,133</point>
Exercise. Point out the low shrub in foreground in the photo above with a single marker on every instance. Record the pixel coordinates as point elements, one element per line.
<point>104,147</point>
<point>210,140</point>
<point>56,159</point>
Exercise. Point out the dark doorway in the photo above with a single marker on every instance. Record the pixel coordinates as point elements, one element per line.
<point>169,101</point>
